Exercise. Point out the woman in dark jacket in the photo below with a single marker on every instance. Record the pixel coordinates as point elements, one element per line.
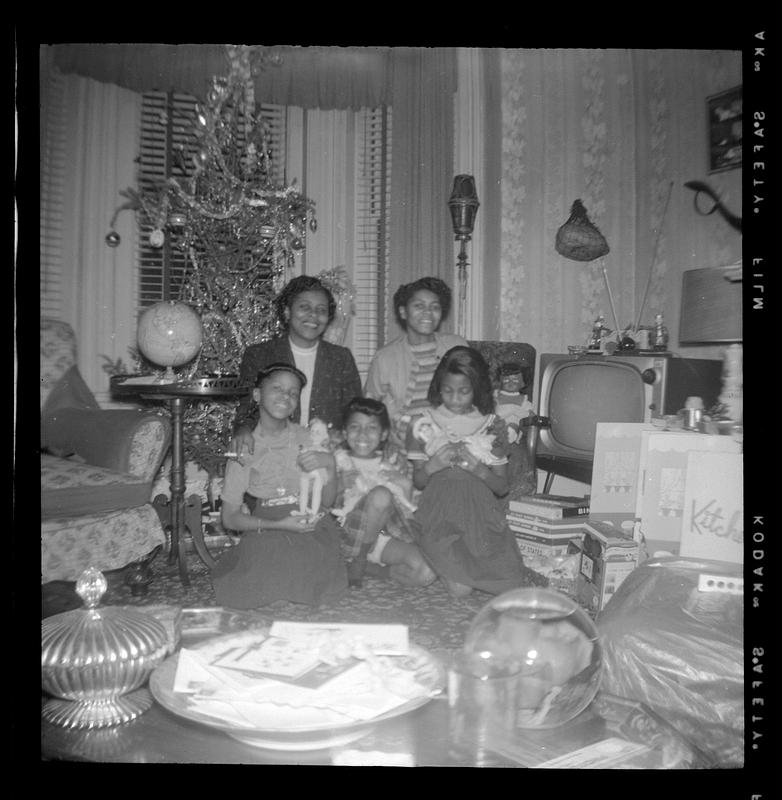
<point>304,307</point>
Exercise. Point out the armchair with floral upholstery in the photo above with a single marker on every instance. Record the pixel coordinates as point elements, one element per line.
<point>97,471</point>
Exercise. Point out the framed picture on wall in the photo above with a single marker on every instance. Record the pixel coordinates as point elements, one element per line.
<point>724,111</point>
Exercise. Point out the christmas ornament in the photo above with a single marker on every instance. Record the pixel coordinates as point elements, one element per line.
<point>112,239</point>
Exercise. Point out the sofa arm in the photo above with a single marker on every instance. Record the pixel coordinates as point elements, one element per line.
<point>124,440</point>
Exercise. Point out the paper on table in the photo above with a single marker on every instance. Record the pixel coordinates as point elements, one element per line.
<point>359,693</point>
<point>278,657</point>
<point>195,675</point>
<point>608,753</point>
<point>382,640</point>
<point>357,696</point>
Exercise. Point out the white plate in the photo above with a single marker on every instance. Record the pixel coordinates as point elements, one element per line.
<point>429,676</point>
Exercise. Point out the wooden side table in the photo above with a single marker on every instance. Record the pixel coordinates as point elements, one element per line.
<point>177,394</point>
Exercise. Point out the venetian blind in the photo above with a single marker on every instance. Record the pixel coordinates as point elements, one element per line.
<point>372,192</point>
<point>52,177</point>
<point>167,147</point>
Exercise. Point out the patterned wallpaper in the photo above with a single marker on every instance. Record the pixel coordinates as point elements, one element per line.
<point>622,130</point>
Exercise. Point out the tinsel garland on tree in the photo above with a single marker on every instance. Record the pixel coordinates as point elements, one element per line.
<point>240,232</point>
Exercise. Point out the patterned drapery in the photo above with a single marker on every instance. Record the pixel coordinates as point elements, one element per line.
<point>310,77</point>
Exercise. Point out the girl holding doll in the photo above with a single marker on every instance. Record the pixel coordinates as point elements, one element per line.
<point>281,555</point>
<point>458,448</point>
<point>374,499</point>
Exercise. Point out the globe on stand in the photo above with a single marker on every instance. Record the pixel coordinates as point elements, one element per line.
<point>169,335</point>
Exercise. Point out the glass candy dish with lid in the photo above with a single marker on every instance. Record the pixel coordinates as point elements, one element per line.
<point>550,642</point>
<point>94,660</point>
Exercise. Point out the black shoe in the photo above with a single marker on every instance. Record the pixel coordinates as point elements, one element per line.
<point>356,569</point>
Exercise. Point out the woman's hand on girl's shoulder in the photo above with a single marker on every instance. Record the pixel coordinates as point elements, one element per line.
<point>310,460</point>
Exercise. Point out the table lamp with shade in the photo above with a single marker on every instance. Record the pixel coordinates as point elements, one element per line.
<point>463,205</point>
<point>711,314</point>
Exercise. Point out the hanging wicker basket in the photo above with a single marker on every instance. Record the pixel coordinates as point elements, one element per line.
<point>579,238</point>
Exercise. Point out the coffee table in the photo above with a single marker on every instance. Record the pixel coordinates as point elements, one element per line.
<point>417,738</point>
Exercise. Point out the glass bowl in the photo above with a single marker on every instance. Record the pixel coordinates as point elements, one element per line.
<point>553,645</point>
<point>95,660</point>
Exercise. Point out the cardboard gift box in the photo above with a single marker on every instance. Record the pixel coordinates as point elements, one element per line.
<point>639,476</point>
<point>608,556</point>
<point>545,543</point>
<point>615,472</point>
<point>663,479</point>
<point>713,519</point>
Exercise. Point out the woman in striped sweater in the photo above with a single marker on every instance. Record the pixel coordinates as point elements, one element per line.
<point>400,372</point>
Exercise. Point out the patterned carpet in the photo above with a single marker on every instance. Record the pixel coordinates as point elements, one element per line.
<point>435,620</point>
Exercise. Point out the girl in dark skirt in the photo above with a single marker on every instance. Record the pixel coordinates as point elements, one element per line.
<point>458,448</point>
<point>281,555</point>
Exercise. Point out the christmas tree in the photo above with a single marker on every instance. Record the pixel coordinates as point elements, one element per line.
<point>239,230</point>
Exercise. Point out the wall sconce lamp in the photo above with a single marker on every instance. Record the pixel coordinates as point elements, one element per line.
<point>463,205</point>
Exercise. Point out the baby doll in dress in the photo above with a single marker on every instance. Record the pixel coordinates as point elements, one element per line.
<point>311,484</point>
<point>511,405</point>
<point>426,430</point>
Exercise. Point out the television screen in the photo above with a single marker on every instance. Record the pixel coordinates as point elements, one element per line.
<point>581,393</point>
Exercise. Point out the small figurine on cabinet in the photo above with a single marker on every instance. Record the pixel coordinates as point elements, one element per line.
<point>511,404</point>
<point>311,484</point>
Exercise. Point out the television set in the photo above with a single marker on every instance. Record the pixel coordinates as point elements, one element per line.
<point>577,392</point>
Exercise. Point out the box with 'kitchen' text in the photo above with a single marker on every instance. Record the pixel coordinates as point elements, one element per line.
<point>664,475</point>
<point>608,556</point>
<point>639,476</point>
<point>713,521</point>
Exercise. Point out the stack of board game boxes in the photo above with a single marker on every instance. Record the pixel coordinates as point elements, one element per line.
<point>585,558</point>
<point>549,530</point>
<point>545,524</point>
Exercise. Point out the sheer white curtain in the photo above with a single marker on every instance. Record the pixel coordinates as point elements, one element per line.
<point>470,122</point>
<point>614,128</point>
<point>328,180</point>
<point>98,283</point>
<point>421,240</point>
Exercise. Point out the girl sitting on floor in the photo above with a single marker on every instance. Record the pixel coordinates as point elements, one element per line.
<point>280,555</point>
<point>460,524</point>
<point>374,502</point>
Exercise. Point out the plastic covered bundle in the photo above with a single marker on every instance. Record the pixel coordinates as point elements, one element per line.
<point>672,638</point>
